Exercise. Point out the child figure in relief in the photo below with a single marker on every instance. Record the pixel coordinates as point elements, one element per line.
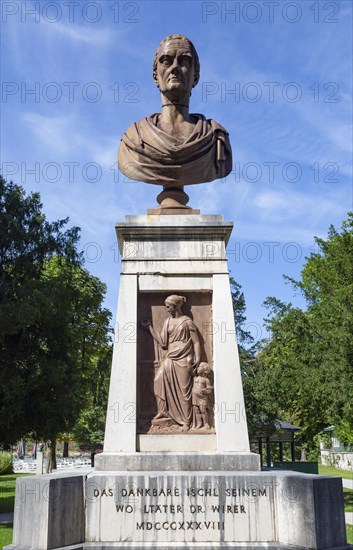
<point>200,396</point>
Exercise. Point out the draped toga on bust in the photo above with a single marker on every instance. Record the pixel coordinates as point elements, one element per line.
<point>149,154</point>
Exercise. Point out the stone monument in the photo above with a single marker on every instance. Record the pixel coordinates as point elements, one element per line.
<point>176,469</point>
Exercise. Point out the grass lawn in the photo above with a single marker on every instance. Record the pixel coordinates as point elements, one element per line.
<point>5,534</point>
<point>7,492</point>
<point>350,534</point>
<point>332,471</point>
<point>7,502</point>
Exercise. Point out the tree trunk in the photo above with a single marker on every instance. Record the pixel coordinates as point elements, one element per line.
<point>53,453</point>
<point>66,449</point>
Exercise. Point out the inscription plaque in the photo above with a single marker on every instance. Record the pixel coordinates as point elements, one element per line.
<point>184,507</point>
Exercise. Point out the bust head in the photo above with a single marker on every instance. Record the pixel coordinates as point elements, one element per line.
<point>176,55</point>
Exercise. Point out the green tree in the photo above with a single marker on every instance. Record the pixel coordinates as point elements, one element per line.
<point>244,337</point>
<point>90,425</point>
<point>27,240</point>
<point>307,365</point>
<point>258,405</point>
<point>75,335</point>
<point>327,284</point>
<point>54,327</point>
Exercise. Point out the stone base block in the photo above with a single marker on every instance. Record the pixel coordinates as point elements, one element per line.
<point>196,443</point>
<point>215,507</point>
<point>173,510</point>
<point>192,461</point>
<point>49,511</point>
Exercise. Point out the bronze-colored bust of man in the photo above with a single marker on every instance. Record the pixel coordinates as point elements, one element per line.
<point>175,148</point>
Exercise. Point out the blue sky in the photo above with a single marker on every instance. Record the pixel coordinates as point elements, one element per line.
<point>277,75</point>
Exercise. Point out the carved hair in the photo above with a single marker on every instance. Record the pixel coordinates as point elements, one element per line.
<point>193,51</point>
<point>175,300</point>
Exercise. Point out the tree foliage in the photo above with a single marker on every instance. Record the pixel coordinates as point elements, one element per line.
<point>90,424</point>
<point>258,405</point>
<point>76,336</point>
<point>307,365</point>
<point>53,325</point>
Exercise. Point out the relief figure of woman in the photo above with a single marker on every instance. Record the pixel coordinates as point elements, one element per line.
<point>174,379</point>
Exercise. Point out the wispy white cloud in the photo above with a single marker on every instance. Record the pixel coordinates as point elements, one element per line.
<point>280,210</point>
<point>99,37</point>
<point>52,132</point>
<point>67,135</point>
<point>105,154</point>
<point>280,204</point>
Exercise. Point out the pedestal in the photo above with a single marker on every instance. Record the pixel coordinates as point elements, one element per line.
<point>163,255</point>
<point>154,485</point>
<point>177,510</point>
